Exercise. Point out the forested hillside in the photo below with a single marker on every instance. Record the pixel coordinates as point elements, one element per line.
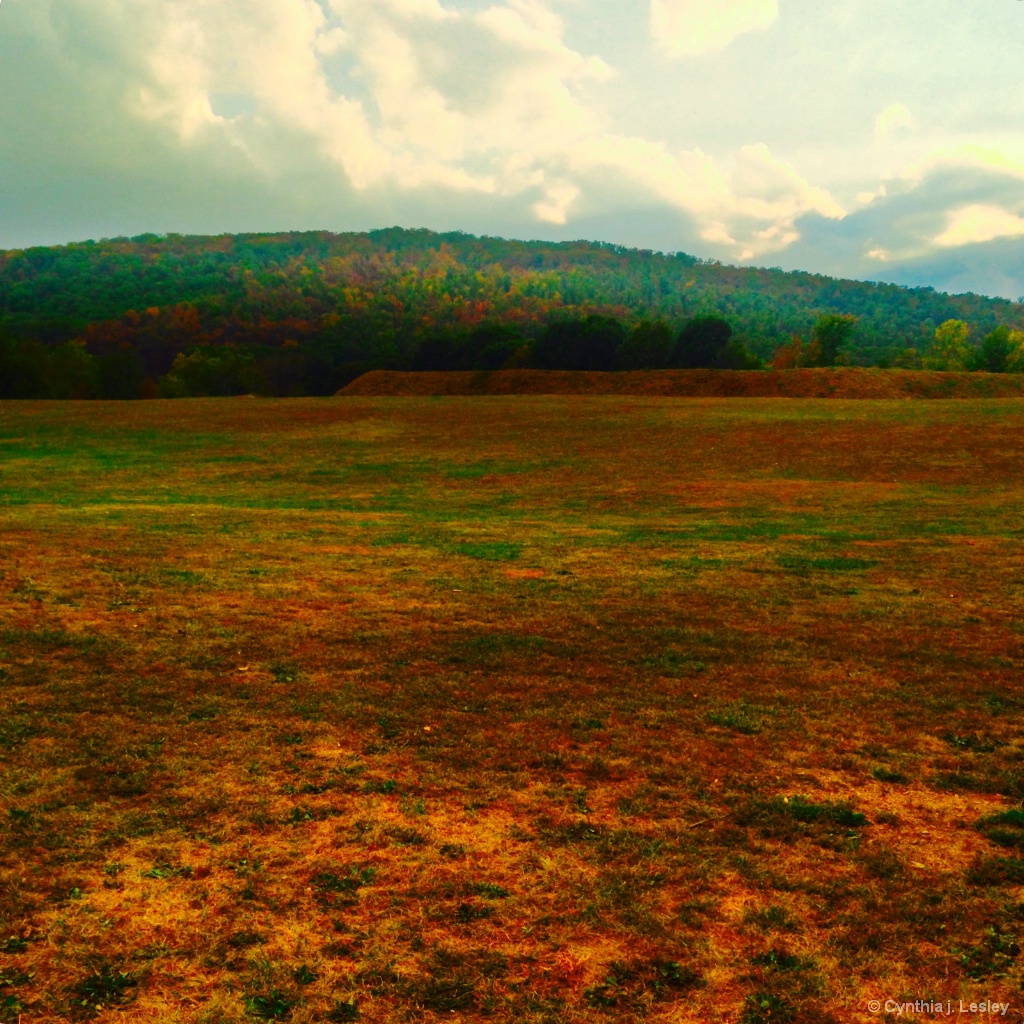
<point>303,313</point>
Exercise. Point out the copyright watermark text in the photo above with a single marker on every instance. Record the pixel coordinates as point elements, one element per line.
<point>937,1007</point>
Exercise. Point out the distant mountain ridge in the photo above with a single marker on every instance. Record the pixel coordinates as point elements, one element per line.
<point>307,311</point>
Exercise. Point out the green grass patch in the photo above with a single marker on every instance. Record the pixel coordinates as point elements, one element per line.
<point>789,818</point>
<point>739,716</point>
<point>1005,828</point>
<point>491,648</point>
<point>486,551</point>
<point>834,564</point>
<point>183,578</point>
<point>991,871</point>
<point>692,565</point>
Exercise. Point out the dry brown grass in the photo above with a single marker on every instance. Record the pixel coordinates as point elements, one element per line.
<point>528,709</point>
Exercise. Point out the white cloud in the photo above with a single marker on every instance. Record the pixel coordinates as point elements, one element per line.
<point>554,208</point>
<point>274,56</point>
<point>1001,157</point>
<point>867,198</point>
<point>772,190</point>
<point>893,121</point>
<point>493,102</point>
<point>965,186</point>
<point>403,118</point>
<point>689,27</point>
<point>979,222</point>
<point>752,210</point>
<point>501,116</point>
<point>449,106</point>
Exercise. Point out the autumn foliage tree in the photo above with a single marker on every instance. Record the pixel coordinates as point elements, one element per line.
<point>789,357</point>
<point>830,335</point>
<point>950,349</point>
<point>1015,359</point>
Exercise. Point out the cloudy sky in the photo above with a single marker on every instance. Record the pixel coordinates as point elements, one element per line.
<point>878,139</point>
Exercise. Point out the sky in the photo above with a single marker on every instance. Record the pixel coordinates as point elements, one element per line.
<point>874,139</point>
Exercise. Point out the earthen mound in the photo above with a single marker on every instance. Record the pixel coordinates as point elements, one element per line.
<point>828,382</point>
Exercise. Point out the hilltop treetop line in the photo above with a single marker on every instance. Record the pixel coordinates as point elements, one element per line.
<point>304,313</point>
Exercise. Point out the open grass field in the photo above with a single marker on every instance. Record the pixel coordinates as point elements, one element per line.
<point>526,709</point>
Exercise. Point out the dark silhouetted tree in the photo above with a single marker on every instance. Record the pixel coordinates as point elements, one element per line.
<point>703,343</point>
<point>649,346</point>
<point>23,369</point>
<point>486,347</point>
<point>589,344</point>
<point>493,345</point>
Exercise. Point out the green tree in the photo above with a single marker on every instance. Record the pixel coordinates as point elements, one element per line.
<point>23,369</point>
<point>993,354</point>
<point>830,333</point>
<point>205,372</point>
<point>908,359</point>
<point>650,346</point>
<point>1015,360</point>
<point>72,372</point>
<point>703,343</point>
<point>486,347</point>
<point>589,344</point>
<point>950,350</point>
<point>493,345</point>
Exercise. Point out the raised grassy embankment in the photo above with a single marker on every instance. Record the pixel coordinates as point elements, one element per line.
<point>829,382</point>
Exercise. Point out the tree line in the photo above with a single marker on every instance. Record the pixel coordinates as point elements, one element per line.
<point>144,364</point>
<point>304,313</point>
